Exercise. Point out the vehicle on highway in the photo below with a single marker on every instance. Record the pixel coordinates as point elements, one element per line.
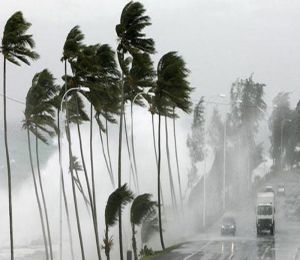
<point>280,189</point>
<point>228,226</point>
<point>265,212</point>
<point>268,188</point>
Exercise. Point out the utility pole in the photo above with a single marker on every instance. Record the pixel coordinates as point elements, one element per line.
<point>224,163</point>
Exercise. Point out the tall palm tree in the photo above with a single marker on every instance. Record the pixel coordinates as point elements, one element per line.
<point>131,40</point>
<point>16,48</point>
<point>71,49</point>
<point>39,119</point>
<point>142,206</point>
<point>172,89</point>
<point>115,204</point>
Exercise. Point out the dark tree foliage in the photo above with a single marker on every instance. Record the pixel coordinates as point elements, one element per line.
<point>279,123</point>
<point>195,142</point>
<point>216,130</point>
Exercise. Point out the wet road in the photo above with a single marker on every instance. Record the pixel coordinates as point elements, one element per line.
<point>285,245</point>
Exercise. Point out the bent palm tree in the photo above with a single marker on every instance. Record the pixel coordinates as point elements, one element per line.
<point>172,89</point>
<point>131,40</point>
<point>142,206</point>
<point>16,47</point>
<point>71,48</point>
<point>114,206</point>
<point>39,119</point>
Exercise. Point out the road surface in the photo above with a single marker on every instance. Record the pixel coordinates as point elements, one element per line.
<point>285,245</point>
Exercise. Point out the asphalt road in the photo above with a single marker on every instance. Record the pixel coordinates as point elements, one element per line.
<point>285,245</point>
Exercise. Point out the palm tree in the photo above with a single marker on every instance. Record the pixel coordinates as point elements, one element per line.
<point>71,49</point>
<point>114,206</point>
<point>16,47</point>
<point>131,40</point>
<point>142,206</point>
<point>172,89</point>
<point>39,119</point>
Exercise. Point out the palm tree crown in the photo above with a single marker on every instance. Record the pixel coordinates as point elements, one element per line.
<point>141,207</point>
<point>16,44</point>
<point>39,112</point>
<point>129,30</point>
<point>172,88</point>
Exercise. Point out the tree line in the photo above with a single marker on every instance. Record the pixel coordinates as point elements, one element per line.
<point>101,80</point>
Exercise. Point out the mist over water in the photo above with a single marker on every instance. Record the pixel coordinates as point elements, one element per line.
<point>27,226</point>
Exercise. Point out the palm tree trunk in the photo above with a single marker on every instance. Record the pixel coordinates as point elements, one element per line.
<point>104,154</point>
<point>37,197</point>
<point>71,170</point>
<point>120,164</point>
<point>108,151</point>
<point>43,195</point>
<point>169,167</point>
<point>153,135</point>
<point>133,150</point>
<point>93,185</point>
<point>11,233</point>
<point>106,245</point>
<point>64,194</point>
<point>134,247</point>
<point>177,164</point>
<point>130,159</point>
<point>82,158</point>
<point>155,151</point>
<point>159,187</point>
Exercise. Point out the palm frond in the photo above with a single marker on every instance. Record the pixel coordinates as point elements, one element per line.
<point>117,201</point>
<point>172,87</point>
<point>129,30</point>
<point>73,44</point>
<point>141,206</point>
<point>16,44</point>
<point>149,227</point>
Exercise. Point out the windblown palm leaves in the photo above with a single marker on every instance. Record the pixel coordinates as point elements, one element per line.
<point>39,119</point>
<point>72,44</point>
<point>115,203</point>
<point>132,22</point>
<point>16,44</point>
<point>141,208</point>
<point>39,112</point>
<point>16,48</point>
<point>173,88</point>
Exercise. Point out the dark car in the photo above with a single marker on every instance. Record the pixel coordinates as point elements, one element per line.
<point>228,226</point>
<point>281,189</point>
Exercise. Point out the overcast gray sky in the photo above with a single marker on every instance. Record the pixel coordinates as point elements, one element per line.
<point>219,39</point>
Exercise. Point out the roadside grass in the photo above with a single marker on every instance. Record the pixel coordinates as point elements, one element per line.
<point>162,252</point>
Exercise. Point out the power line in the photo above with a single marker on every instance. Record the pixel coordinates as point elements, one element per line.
<point>13,99</point>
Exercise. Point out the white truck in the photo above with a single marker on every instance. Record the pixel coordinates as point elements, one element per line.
<point>265,212</point>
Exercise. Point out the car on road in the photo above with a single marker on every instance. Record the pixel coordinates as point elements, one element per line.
<point>228,226</point>
<point>268,188</point>
<point>280,189</point>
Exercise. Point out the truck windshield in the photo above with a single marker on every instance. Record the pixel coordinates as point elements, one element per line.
<point>264,210</point>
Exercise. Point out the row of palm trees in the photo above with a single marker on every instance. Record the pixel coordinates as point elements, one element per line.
<point>111,83</point>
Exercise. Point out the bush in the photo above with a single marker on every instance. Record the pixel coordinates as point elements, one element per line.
<point>145,251</point>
